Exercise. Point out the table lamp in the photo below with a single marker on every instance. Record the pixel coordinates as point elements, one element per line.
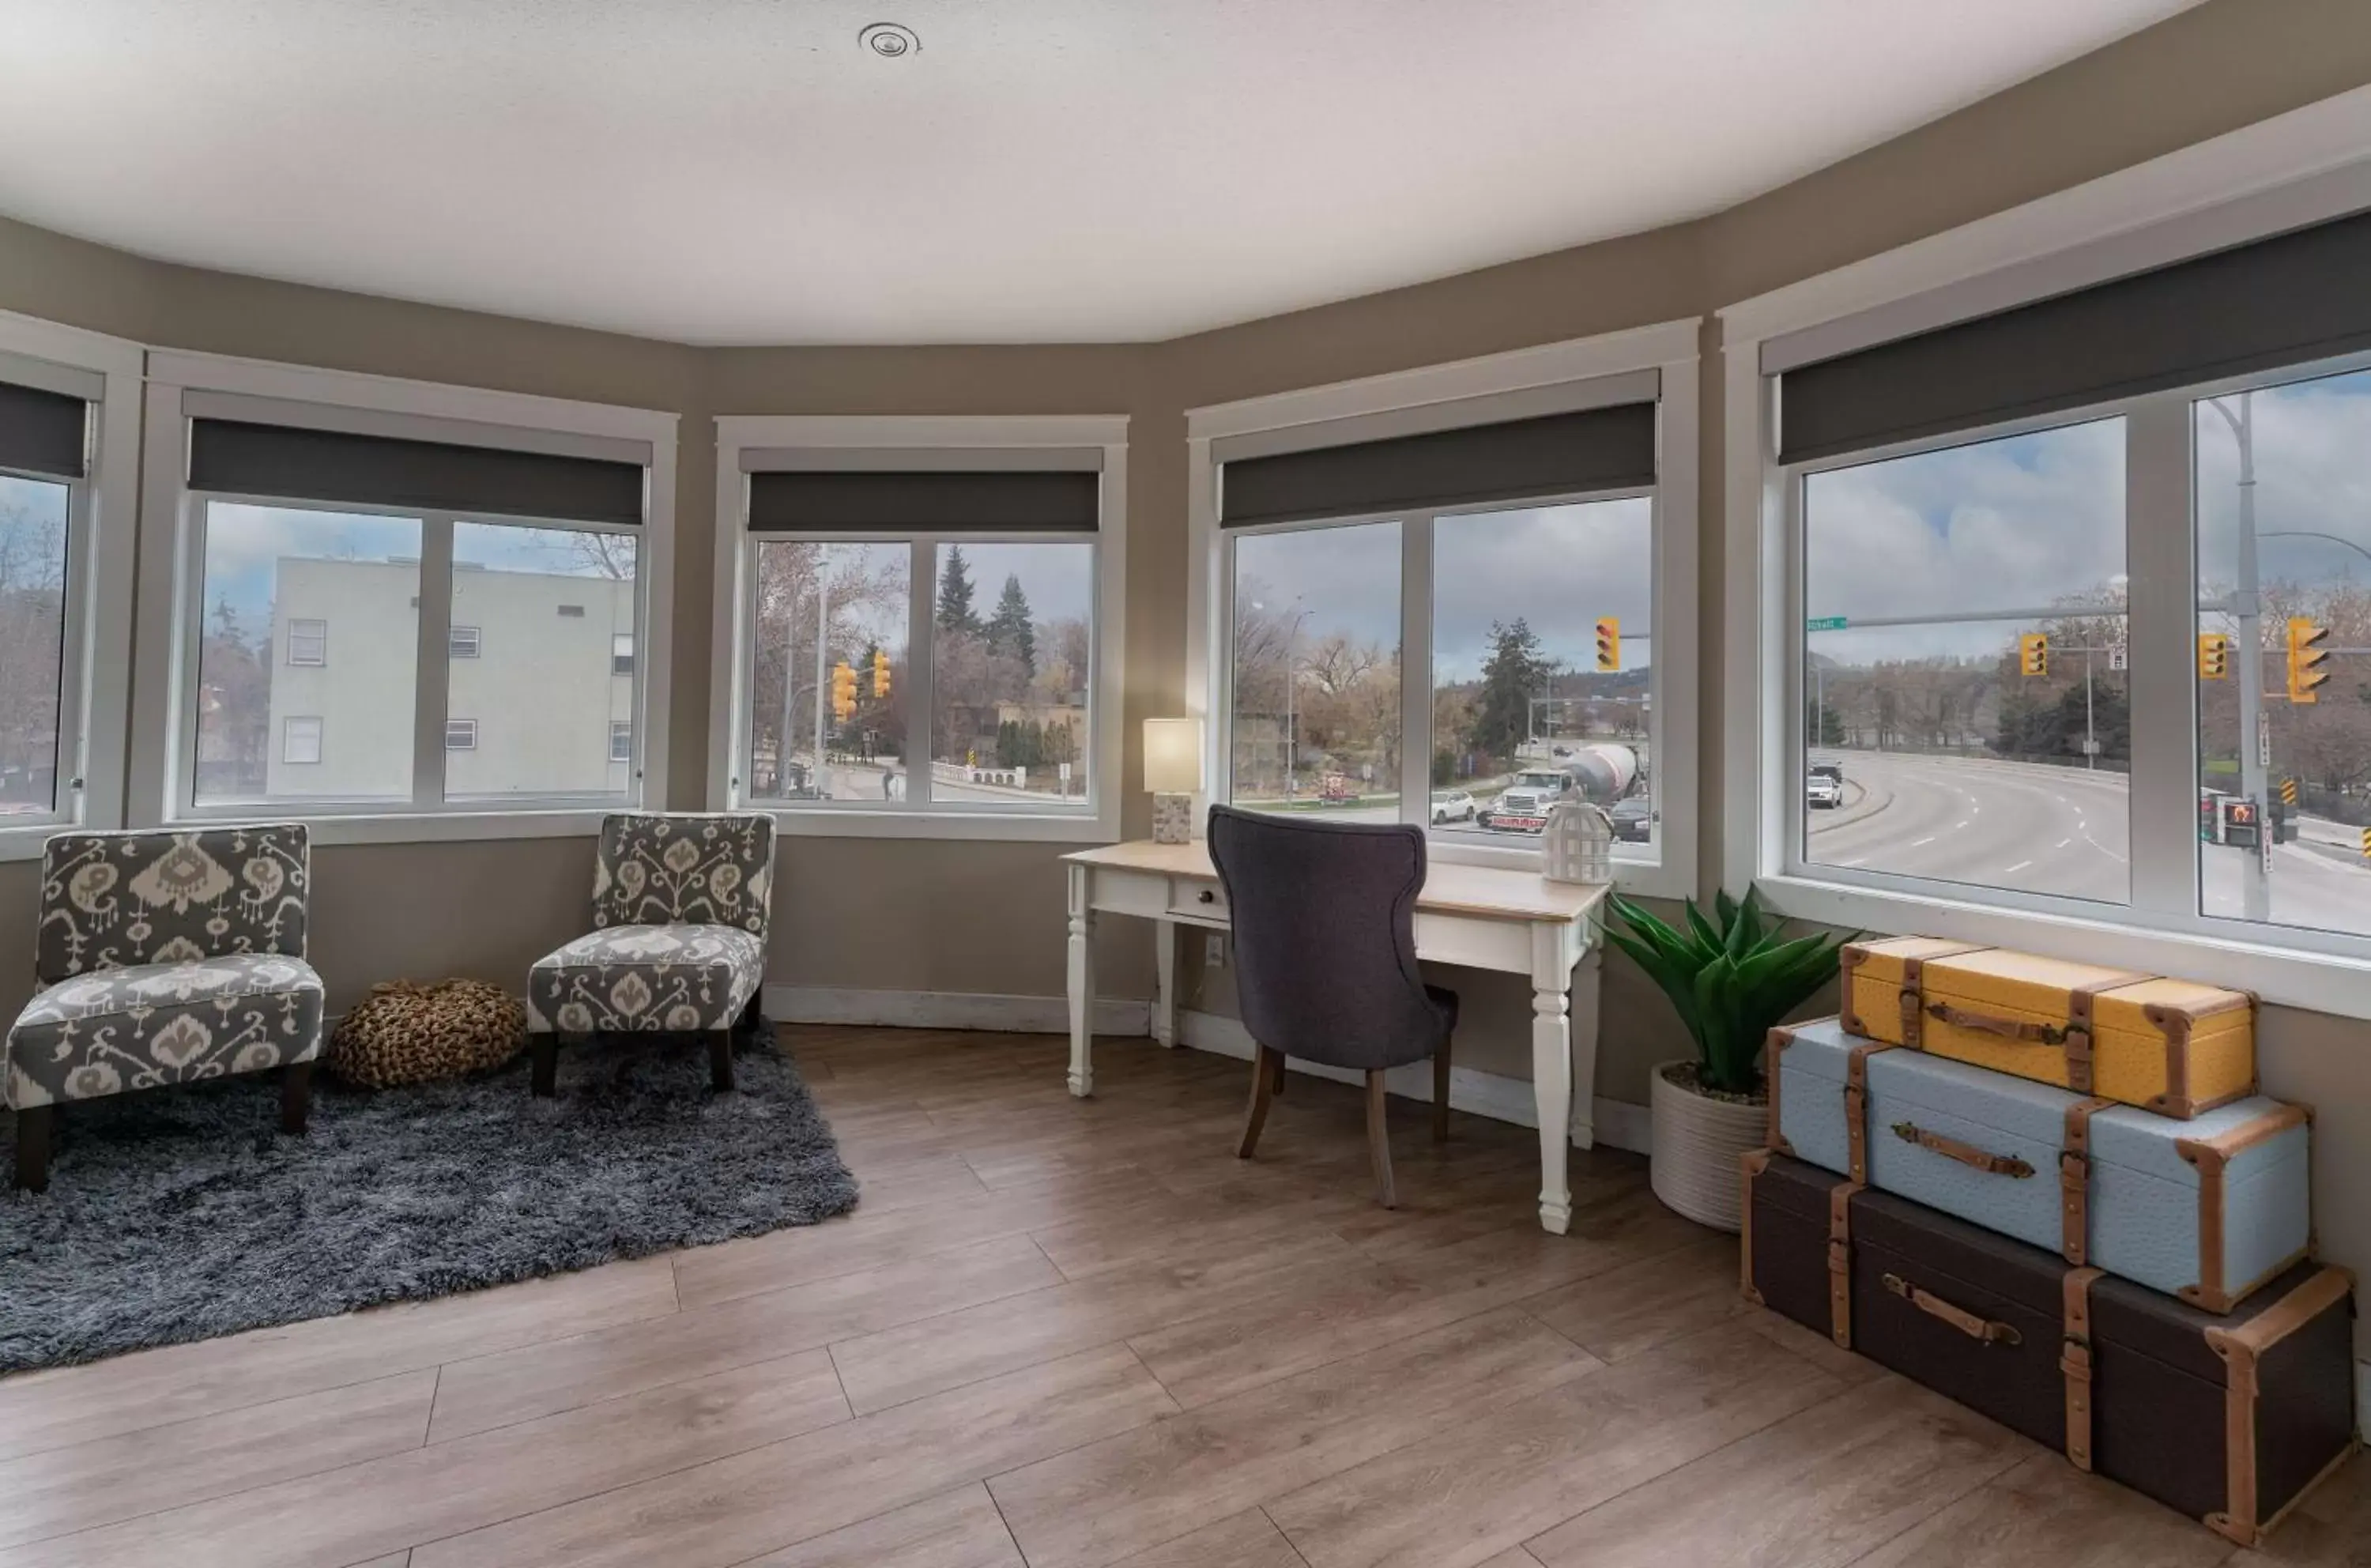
<point>1172,771</point>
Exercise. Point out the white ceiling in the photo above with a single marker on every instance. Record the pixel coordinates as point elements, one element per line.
<point>739,171</point>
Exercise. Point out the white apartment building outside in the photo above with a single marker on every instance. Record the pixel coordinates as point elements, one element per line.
<point>541,696</point>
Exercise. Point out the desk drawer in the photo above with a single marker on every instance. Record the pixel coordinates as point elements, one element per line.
<point>1190,898</point>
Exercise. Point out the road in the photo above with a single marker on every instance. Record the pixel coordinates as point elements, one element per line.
<point>2057,830</point>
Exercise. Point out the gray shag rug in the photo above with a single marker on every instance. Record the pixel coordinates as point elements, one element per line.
<point>183,1214</point>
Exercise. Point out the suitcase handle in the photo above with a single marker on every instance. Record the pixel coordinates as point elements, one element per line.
<point>1959,1317</point>
<point>2008,1028</point>
<point>1965,1153</point>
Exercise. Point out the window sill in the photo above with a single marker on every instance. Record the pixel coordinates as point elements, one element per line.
<point>1634,878</point>
<point>2318,982</point>
<point>420,827</point>
<point>858,821</point>
<point>23,842</point>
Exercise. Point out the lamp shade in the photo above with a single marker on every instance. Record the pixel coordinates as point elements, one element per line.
<point>1173,756</point>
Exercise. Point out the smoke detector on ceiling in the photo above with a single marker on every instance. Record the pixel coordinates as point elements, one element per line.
<point>889,41</point>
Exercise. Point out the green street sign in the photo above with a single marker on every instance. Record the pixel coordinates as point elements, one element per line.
<point>1824,623</point>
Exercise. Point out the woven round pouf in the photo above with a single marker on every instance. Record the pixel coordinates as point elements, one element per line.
<point>407,1031</point>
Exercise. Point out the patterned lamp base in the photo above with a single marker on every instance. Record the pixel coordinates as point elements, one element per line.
<point>1173,819</point>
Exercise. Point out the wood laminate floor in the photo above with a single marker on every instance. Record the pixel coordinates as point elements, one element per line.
<point>1064,1334</point>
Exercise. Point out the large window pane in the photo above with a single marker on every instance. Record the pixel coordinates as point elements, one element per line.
<point>534,690</point>
<point>309,616</point>
<point>32,629</point>
<point>2287,468</point>
<point>1314,715</point>
<point>815,735</point>
<point>1523,714</point>
<point>1012,631</point>
<point>1941,741</point>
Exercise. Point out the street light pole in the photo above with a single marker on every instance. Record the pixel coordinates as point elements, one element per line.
<point>2247,609</point>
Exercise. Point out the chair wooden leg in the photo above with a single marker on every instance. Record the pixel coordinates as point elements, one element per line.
<point>1379,1139</point>
<point>33,1125</point>
<point>1277,1087</point>
<point>296,1097</point>
<point>719,1060</point>
<point>1441,1094</point>
<point>750,1016</point>
<point>545,1080</point>
<point>1268,1067</point>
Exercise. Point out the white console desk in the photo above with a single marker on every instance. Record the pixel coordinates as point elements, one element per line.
<point>1483,917</point>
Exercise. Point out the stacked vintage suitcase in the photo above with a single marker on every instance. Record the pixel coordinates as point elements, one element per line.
<point>2051,1191</point>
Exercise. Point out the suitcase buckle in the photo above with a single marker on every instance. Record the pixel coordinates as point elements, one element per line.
<point>2074,1171</point>
<point>2074,1358</point>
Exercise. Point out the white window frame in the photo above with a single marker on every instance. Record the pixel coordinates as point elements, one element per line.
<point>465,643</point>
<point>183,386</point>
<point>320,661</point>
<point>1657,362</point>
<point>466,730</point>
<point>621,729</point>
<point>921,442</point>
<point>95,645</point>
<point>2296,169</point>
<point>288,724</point>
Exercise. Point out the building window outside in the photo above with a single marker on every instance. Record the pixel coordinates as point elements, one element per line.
<point>460,734</point>
<point>621,740</point>
<point>308,642</point>
<point>300,740</point>
<point>464,642</point>
<point>621,653</point>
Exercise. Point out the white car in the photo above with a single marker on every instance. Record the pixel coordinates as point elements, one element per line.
<point>1451,806</point>
<point>1820,790</point>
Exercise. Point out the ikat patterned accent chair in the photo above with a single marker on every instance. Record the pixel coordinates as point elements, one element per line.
<point>679,939</point>
<point>163,958</point>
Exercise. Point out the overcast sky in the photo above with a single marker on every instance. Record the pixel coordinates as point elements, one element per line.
<point>2026,522</point>
<point>1560,568</point>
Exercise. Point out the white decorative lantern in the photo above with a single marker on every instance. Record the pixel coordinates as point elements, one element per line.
<point>1577,845</point>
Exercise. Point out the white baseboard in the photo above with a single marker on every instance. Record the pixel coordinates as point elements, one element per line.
<point>1494,1095</point>
<point>948,1009</point>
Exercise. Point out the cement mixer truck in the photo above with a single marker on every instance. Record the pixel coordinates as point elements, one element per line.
<point>1600,774</point>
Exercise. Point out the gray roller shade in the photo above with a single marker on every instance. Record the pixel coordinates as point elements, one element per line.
<point>239,458</point>
<point>921,502</point>
<point>2287,300</point>
<point>43,431</point>
<point>1595,449</point>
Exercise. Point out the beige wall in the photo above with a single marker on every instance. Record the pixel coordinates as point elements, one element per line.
<point>950,916</point>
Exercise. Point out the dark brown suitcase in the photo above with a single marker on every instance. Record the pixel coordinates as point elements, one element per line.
<point>2230,1419</point>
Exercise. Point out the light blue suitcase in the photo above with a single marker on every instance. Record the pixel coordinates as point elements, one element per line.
<point>2205,1209</point>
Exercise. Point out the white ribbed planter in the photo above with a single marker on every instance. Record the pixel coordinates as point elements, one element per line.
<point>1697,1142</point>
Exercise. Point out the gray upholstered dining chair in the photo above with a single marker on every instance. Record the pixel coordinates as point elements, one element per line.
<point>1324,927</point>
<point>679,937</point>
<point>163,958</point>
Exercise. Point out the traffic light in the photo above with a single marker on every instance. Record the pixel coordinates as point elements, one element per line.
<point>2213,656</point>
<point>2033,653</point>
<point>880,673</point>
<point>2306,659</point>
<point>1609,642</point>
<point>843,691</point>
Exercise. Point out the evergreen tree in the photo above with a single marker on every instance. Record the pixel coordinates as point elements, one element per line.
<point>955,613</point>
<point>1511,676</point>
<point>1010,630</point>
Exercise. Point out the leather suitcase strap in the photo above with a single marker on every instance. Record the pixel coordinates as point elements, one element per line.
<point>1840,1198</point>
<point>1912,985</point>
<point>2075,1181</point>
<point>2074,1361</point>
<point>2079,1034</point>
<point>1972,1324</point>
<point>1857,1106</point>
<point>1965,1153</point>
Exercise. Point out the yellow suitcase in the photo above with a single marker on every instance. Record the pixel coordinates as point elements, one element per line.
<point>2165,1045</point>
<point>1880,994</point>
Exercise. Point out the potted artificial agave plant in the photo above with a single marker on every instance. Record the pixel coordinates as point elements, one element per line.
<point>1732,981</point>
